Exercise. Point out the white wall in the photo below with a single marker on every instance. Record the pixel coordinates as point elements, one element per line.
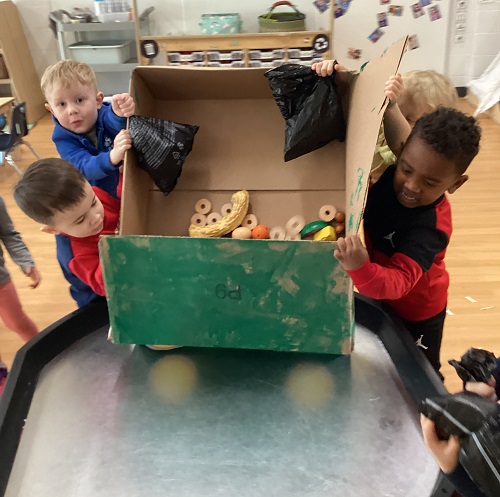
<point>481,40</point>
<point>462,61</point>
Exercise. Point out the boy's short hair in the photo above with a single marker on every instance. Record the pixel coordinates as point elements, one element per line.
<point>430,87</point>
<point>66,72</point>
<point>49,186</point>
<point>450,133</point>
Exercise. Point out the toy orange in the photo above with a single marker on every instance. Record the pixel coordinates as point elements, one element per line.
<point>260,232</point>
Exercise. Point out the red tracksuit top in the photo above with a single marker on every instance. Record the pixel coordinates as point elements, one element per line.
<point>406,248</point>
<point>86,264</point>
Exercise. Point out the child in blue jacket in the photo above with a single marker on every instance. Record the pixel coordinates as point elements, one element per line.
<point>90,134</point>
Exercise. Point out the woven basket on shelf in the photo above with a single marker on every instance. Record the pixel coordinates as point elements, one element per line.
<point>272,22</point>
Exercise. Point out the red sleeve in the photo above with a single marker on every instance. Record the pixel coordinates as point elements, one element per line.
<point>119,186</point>
<point>387,282</point>
<point>88,269</point>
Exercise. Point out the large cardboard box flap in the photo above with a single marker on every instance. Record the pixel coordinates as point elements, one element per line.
<point>165,288</point>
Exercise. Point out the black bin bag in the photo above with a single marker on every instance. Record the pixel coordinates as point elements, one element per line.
<point>477,422</point>
<point>311,106</point>
<point>161,147</point>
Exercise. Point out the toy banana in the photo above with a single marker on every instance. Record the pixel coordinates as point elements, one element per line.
<point>228,223</point>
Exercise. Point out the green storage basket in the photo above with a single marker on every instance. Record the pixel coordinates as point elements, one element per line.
<point>273,22</point>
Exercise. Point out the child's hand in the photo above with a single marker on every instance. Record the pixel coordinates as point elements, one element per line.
<point>326,67</point>
<point>122,143</point>
<point>486,390</point>
<point>123,105</point>
<point>351,252</point>
<point>394,88</point>
<point>446,452</point>
<point>34,275</point>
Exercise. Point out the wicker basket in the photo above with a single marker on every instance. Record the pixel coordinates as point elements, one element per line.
<point>272,22</point>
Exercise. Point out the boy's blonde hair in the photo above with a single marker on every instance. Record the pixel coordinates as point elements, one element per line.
<point>430,87</point>
<point>66,72</point>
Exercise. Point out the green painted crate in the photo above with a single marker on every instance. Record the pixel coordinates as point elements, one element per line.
<point>257,294</point>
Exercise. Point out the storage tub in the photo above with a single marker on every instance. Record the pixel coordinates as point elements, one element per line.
<point>101,51</point>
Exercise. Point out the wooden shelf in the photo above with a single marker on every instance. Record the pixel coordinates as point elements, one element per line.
<point>242,41</point>
<point>5,82</point>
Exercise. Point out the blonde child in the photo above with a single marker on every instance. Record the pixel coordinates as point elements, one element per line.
<point>90,134</point>
<point>410,95</point>
<point>11,311</point>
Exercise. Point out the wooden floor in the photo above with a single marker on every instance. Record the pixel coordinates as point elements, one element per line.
<point>473,257</point>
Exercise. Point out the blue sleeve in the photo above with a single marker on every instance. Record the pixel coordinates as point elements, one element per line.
<point>463,484</point>
<point>111,122</point>
<point>93,167</point>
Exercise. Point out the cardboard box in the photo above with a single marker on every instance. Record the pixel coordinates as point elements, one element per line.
<point>166,288</point>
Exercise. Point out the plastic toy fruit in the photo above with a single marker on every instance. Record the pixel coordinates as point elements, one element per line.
<point>260,232</point>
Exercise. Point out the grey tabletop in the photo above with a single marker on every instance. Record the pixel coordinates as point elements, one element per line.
<point>109,420</point>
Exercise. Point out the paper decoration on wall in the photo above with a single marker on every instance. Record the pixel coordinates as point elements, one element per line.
<point>340,8</point>
<point>434,13</point>
<point>322,5</point>
<point>382,19</point>
<point>413,42</point>
<point>417,10</point>
<point>354,53</point>
<point>383,2</point>
<point>375,36</point>
<point>424,3</point>
<point>396,10</point>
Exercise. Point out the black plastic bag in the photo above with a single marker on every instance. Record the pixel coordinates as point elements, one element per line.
<point>161,147</point>
<point>311,107</point>
<point>477,422</point>
<point>475,365</point>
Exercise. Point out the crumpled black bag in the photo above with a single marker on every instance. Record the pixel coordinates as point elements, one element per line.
<point>477,421</point>
<point>161,147</point>
<point>475,365</point>
<point>311,107</point>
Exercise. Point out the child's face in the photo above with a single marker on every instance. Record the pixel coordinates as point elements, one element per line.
<point>75,107</point>
<point>86,218</point>
<point>423,175</point>
<point>413,111</point>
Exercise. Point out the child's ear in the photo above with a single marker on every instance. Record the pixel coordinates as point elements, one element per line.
<point>49,108</point>
<point>99,99</point>
<point>460,181</point>
<point>49,229</point>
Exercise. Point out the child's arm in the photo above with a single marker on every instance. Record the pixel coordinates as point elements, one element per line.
<point>446,453</point>
<point>373,280</point>
<point>327,67</point>
<point>17,249</point>
<point>402,272</point>
<point>87,268</point>
<point>396,127</point>
<point>93,167</point>
<point>122,143</point>
<point>123,105</point>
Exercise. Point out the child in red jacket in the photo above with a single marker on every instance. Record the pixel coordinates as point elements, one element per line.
<point>407,226</point>
<point>54,193</point>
